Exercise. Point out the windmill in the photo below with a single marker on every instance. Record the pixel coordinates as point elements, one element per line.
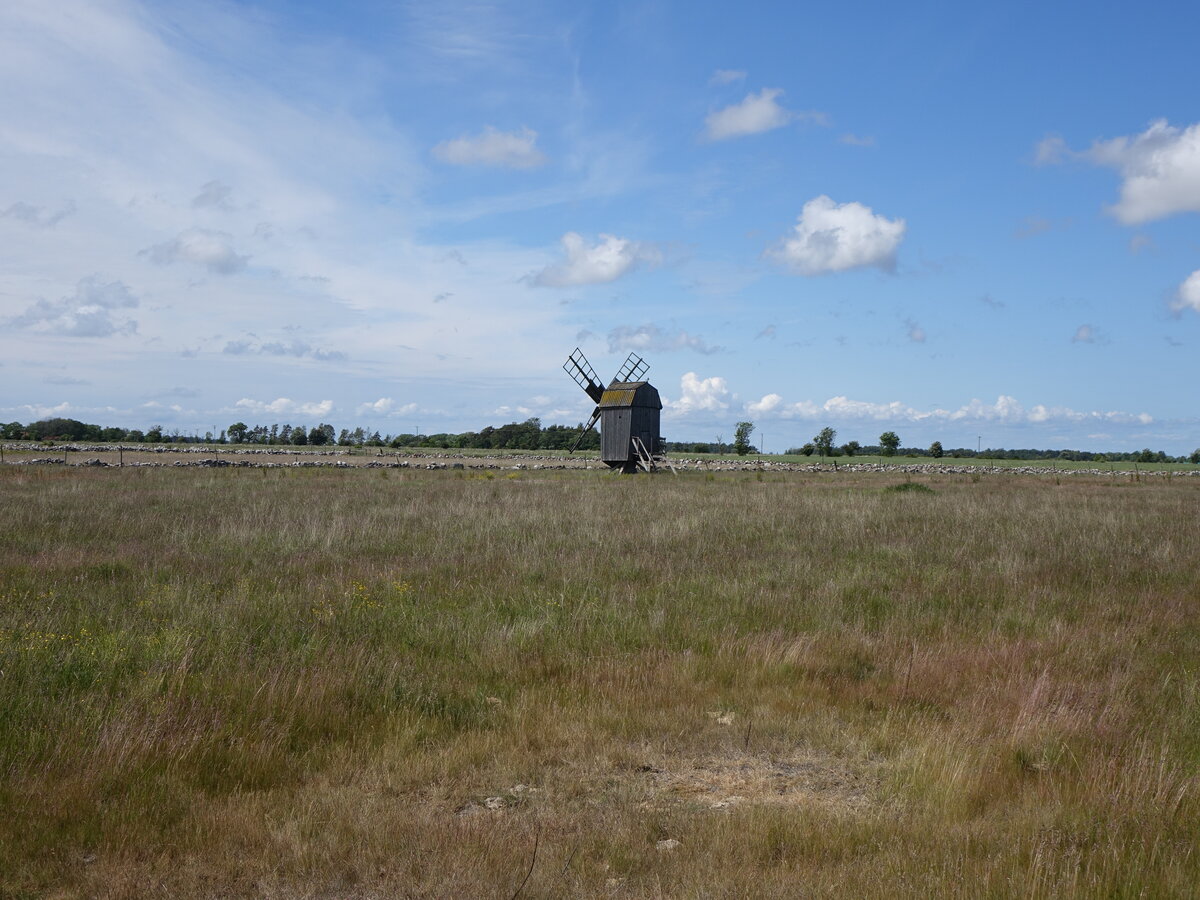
<point>627,410</point>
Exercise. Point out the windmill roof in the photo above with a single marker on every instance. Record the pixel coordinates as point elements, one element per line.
<point>629,393</point>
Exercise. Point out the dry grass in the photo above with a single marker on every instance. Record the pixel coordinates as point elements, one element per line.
<point>306,683</point>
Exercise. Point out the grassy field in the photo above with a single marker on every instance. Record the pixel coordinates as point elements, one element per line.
<point>315,683</point>
<point>18,451</point>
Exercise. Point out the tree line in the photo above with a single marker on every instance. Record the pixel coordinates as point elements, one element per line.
<point>527,435</point>
<point>823,444</point>
<point>532,435</point>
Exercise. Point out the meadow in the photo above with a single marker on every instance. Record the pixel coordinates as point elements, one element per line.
<point>380,683</point>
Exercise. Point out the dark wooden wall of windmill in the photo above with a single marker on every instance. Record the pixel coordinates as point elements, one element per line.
<point>619,426</point>
<point>615,433</point>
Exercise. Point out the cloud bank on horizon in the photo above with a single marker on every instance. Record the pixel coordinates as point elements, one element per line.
<point>378,215</point>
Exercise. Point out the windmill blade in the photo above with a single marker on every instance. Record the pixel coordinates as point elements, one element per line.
<point>585,376</point>
<point>633,369</point>
<point>590,425</point>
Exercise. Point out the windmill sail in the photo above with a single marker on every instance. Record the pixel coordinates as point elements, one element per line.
<point>633,369</point>
<point>581,370</point>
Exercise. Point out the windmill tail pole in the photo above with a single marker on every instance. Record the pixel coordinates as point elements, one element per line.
<point>591,423</point>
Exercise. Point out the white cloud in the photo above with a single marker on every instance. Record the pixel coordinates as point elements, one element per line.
<point>1005,411</point>
<point>727,76</point>
<point>832,237</point>
<point>38,411</point>
<point>651,337</point>
<point>1160,169</point>
<point>211,249</point>
<point>284,406</point>
<point>755,114</point>
<point>700,394</point>
<point>385,406</point>
<point>89,312</point>
<point>767,404</point>
<point>1084,334</point>
<point>1188,295</point>
<point>507,149</point>
<point>536,407</point>
<point>600,263</point>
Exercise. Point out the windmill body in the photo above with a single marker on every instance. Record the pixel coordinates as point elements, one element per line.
<point>628,410</point>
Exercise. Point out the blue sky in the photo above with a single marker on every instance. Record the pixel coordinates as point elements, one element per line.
<point>960,222</point>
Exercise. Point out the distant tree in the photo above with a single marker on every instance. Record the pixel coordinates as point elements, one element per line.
<point>823,442</point>
<point>134,436</point>
<point>1195,457</point>
<point>889,441</point>
<point>1146,456</point>
<point>57,429</point>
<point>851,447</point>
<point>299,436</point>
<point>237,432</point>
<point>808,449</point>
<point>741,438</point>
<point>935,450</point>
<point>154,435</point>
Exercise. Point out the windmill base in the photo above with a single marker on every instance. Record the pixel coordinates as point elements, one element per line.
<point>624,467</point>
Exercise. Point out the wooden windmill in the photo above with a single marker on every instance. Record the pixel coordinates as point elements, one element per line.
<point>628,411</point>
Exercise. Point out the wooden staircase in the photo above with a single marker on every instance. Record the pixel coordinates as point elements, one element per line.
<point>647,461</point>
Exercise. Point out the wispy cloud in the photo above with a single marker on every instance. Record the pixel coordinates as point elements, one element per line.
<point>36,215</point>
<point>211,249</point>
<point>296,349</point>
<point>92,311</point>
<point>505,149</point>
<point>606,260</point>
<point>651,337</point>
<point>855,140</point>
<point>727,76</point>
<point>214,195</point>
